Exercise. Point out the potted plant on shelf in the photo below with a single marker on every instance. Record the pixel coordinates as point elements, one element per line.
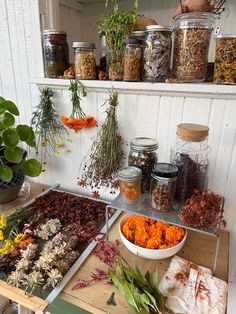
<point>117,26</point>
<point>13,163</point>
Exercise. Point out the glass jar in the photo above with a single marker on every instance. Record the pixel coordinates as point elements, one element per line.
<point>190,155</point>
<point>132,62</point>
<point>85,61</point>
<point>225,60</point>
<point>130,184</point>
<point>55,53</point>
<point>144,156</point>
<point>163,184</point>
<point>192,34</point>
<point>115,62</point>
<point>157,53</point>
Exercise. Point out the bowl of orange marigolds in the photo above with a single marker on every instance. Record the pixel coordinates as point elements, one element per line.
<point>149,238</point>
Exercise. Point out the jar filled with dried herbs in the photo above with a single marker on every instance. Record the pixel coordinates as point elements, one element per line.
<point>55,53</point>
<point>225,60</point>
<point>157,53</point>
<point>144,156</point>
<point>190,155</point>
<point>85,61</point>
<point>163,184</point>
<point>130,184</point>
<point>115,62</point>
<point>192,34</point>
<point>132,62</point>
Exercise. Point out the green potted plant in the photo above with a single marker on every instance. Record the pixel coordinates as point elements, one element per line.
<point>13,163</point>
<point>117,26</point>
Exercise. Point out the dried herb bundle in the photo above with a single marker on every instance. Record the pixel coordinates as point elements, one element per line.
<point>50,133</point>
<point>101,163</point>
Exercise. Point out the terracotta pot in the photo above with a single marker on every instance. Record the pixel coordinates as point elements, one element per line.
<point>142,22</point>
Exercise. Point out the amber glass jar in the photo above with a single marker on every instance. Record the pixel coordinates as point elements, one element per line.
<point>144,156</point>
<point>55,53</point>
<point>225,60</point>
<point>132,62</point>
<point>85,62</point>
<point>192,34</point>
<point>191,156</point>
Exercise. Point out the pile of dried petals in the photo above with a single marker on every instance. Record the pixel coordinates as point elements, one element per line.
<point>151,234</point>
<point>78,119</point>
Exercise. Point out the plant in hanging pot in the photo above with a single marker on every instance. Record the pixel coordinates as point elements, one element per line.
<point>117,26</point>
<point>13,163</point>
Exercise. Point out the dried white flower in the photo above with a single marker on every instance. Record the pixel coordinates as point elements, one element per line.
<point>34,279</point>
<point>23,265</point>
<point>16,278</point>
<point>30,252</point>
<point>48,229</point>
<point>54,277</point>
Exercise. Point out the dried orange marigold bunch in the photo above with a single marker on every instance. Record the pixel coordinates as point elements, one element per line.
<point>151,234</point>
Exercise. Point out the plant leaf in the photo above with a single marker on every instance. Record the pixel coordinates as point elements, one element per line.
<point>32,167</point>
<point>24,132</point>
<point>10,138</point>
<point>5,173</point>
<point>8,119</point>
<point>14,155</point>
<point>9,106</point>
<point>129,294</point>
<point>155,278</point>
<point>31,140</point>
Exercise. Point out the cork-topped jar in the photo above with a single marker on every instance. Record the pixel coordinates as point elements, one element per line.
<point>190,155</point>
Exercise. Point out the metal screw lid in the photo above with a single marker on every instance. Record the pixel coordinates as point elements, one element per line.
<point>83,44</point>
<point>129,173</point>
<point>165,170</point>
<point>54,32</point>
<point>161,28</point>
<point>144,143</point>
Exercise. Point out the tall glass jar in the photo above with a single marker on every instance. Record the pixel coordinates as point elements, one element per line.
<point>132,62</point>
<point>225,60</point>
<point>190,155</point>
<point>163,184</point>
<point>55,53</point>
<point>115,62</point>
<point>157,53</point>
<point>85,61</point>
<point>144,156</point>
<point>192,34</point>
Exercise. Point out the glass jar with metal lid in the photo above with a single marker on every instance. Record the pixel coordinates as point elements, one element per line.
<point>85,61</point>
<point>192,34</point>
<point>191,155</point>
<point>55,52</point>
<point>157,53</point>
<point>132,62</point>
<point>144,156</point>
<point>130,184</point>
<point>225,60</point>
<point>163,184</point>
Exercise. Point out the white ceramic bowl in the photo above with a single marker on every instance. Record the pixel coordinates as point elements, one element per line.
<point>149,253</point>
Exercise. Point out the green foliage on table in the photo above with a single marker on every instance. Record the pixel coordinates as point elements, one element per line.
<point>117,25</point>
<point>10,137</point>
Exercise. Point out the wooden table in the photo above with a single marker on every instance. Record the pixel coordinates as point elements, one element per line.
<point>198,248</point>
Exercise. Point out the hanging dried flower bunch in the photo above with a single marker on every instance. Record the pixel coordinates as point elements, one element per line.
<point>78,119</point>
<point>101,163</point>
<point>50,133</point>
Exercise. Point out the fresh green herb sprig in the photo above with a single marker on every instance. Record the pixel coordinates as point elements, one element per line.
<point>117,25</point>
<point>50,132</point>
<point>78,91</point>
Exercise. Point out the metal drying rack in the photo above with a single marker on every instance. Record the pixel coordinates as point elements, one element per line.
<point>144,208</point>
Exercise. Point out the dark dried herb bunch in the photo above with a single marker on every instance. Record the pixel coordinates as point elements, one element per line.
<point>50,132</point>
<point>101,163</point>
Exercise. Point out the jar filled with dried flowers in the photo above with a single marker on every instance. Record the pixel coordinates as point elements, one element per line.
<point>132,62</point>
<point>192,36</point>
<point>225,60</point>
<point>130,184</point>
<point>190,155</point>
<point>85,62</point>
<point>163,183</point>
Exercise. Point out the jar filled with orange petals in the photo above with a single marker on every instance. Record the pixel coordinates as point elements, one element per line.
<point>130,184</point>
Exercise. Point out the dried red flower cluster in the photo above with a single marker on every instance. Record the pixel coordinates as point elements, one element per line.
<point>203,210</point>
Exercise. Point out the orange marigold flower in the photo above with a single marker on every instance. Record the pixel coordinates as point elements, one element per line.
<point>90,121</point>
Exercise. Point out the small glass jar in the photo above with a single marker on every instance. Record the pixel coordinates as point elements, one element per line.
<point>190,155</point>
<point>225,60</point>
<point>55,53</point>
<point>192,34</point>
<point>115,62</point>
<point>163,184</point>
<point>85,61</point>
<point>157,53</point>
<point>132,62</point>
<point>130,184</point>
<point>144,156</point>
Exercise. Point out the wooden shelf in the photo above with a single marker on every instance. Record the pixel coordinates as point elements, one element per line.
<point>207,90</point>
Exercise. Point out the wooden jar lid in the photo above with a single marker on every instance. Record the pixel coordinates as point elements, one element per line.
<point>192,132</point>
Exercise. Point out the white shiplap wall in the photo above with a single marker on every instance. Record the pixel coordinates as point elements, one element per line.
<point>149,114</point>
